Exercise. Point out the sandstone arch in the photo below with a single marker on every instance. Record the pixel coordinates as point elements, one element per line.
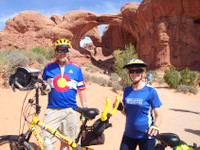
<point>164,32</point>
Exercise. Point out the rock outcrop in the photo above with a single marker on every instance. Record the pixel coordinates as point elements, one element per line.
<point>163,32</point>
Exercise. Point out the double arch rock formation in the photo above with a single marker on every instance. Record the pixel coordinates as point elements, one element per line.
<point>164,33</point>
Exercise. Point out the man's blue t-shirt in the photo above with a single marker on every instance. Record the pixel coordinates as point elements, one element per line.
<point>63,86</point>
<point>139,105</point>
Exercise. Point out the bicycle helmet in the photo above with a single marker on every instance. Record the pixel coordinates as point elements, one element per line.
<point>135,63</point>
<point>63,43</point>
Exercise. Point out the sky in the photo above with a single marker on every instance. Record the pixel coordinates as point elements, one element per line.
<point>11,8</point>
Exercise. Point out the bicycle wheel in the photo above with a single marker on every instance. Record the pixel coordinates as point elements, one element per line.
<point>10,142</point>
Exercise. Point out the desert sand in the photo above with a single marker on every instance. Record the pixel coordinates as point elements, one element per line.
<point>181,113</point>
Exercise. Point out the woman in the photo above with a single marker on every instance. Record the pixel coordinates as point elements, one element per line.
<point>141,106</point>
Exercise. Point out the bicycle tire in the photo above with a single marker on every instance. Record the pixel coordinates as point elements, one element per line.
<point>10,142</point>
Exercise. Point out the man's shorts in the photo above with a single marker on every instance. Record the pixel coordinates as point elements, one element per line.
<point>64,120</point>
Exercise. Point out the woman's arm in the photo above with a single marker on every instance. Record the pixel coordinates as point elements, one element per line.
<point>154,129</point>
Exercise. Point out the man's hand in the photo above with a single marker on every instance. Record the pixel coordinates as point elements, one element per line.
<point>48,88</point>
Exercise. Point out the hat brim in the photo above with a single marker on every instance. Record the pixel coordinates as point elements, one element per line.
<point>135,65</point>
<point>63,46</point>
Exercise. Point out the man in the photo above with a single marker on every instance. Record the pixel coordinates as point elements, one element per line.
<point>64,79</point>
<point>149,78</point>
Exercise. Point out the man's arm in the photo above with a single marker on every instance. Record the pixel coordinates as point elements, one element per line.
<point>82,97</point>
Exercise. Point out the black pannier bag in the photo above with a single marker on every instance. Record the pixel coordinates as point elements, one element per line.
<point>90,138</point>
<point>96,136</point>
<point>23,77</point>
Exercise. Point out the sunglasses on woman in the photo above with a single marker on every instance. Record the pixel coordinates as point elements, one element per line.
<point>135,71</point>
<point>62,50</point>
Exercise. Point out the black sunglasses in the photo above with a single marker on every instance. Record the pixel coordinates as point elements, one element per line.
<point>136,71</point>
<point>62,50</point>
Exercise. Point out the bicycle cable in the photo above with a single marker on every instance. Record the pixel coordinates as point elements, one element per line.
<point>22,112</point>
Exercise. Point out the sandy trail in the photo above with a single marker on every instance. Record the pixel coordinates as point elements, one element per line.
<point>181,113</point>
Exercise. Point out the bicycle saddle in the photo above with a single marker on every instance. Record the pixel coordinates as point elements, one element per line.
<point>169,139</point>
<point>90,113</point>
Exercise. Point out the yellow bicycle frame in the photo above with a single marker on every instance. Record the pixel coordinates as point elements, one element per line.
<point>35,122</point>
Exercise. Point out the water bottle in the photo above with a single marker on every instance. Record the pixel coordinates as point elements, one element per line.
<point>48,144</point>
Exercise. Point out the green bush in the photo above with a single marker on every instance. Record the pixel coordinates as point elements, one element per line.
<point>188,77</point>
<point>51,53</point>
<point>121,58</point>
<point>183,81</point>
<point>172,77</point>
<point>42,51</point>
<point>3,60</point>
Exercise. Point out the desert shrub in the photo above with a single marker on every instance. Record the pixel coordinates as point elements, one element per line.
<point>172,77</point>
<point>40,59</point>
<point>31,56</point>
<point>121,58</point>
<point>109,84</point>
<point>188,77</point>
<point>52,54</point>
<point>183,81</point>
<point>117,86</point>
<point>92,69</point>
<point>3,59</point>
<point>114,77</point>
<point>87,77</point>
<point>93,79</point>
<point>101,81</point>
<point>186,89</point>
<point>160,80</point>
<point>42,51</point>
<point>15,59</point>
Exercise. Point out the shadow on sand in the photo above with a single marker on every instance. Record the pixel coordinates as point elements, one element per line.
<point>161,87</point>
<point>196,132</point>
<point>182,110</point>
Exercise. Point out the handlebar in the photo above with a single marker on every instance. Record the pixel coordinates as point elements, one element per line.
<point>41,86</point>
<point>90,113</point>
<point>105,113</point>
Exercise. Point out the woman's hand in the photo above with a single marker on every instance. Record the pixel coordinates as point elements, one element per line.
<point>153,130</point>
